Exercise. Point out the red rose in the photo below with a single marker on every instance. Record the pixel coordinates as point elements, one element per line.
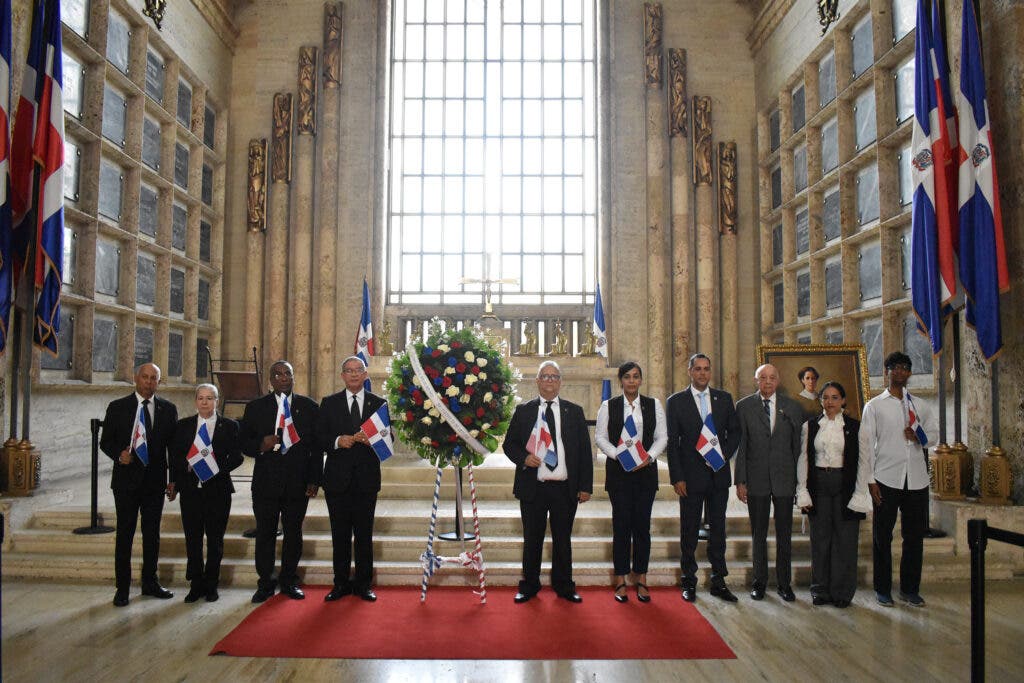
<point>456,345</point>
<point>467,420</point>
<point>476,369</point>
<point>434,444</point>
<point>435,353</point>
<point>418,400</point>
<point>446,382</point>
<point>460,367</point>
<point>469,390</point>
<point>495,388</point>
<point>409,417</point>
<point>494,404</point>
<point>479,412</point>
<point>452,438</point>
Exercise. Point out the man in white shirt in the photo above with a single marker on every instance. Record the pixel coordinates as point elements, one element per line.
<point>894,435</point>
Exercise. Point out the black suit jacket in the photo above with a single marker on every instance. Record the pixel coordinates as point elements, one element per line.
<point>117,435</point>
<point>357,466</point>
<point>227,451</point>
<point>615,477</point>
<point>684,425</point>
<point>579,456</point>
<point>275,474</point>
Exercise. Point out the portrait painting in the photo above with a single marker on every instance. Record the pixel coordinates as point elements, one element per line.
<point>804,369</point>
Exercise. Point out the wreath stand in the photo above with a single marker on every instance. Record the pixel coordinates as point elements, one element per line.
<point>473,559</point>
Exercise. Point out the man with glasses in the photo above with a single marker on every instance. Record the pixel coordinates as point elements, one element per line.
<point>895,429</point>
<point>549,443</point>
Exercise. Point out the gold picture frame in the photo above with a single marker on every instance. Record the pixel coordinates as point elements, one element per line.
<point>844,363</point>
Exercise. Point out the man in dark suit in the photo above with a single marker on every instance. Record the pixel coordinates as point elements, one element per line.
<point>694,480</point>
<point>351,480</point>
<point>286,475</point>
<point>770,426</point>
<point>550,486</point>
<point>205,505</point>
<point>139,477</point>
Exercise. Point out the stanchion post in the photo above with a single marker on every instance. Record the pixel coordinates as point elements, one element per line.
<point>977,539</point>
<point>94,518</point>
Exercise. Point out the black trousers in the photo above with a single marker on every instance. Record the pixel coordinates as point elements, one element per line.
<point>913,503</point>
<point>834,540</point>
<point>291,512</point>
<point>204,513</point>
<point>552,501</point>
<point>758,508</point>
<point>631,501</point>
<point>691,512</point>
<point>130,505</point>
<point>352,515</point>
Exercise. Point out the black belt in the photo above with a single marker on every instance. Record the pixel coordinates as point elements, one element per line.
<point>831,469</point>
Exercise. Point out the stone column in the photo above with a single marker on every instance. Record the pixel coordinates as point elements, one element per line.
<point>727,214</point>
<point>301,242</point>
<point>275,266</point>
<point>707,237</point>
<point>682,221</point>
<point>658,245</point>
<point>256,224</point>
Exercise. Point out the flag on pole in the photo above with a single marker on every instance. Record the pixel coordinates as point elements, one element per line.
<point>48,149</point>
<point>914,423</point>
<point>364,337</point>
<point>708,446</point>
<point>630,450</point>
<point>6,225</point>
<point>378,430</point>
<point>139,443</point>
<point>540,442</point>
<point>288,433</point>
<point>606,389</point>
<point>928,291</point>
<point>945,167</point>
<point>200,455</point>
<point>983,269</point>
<point>600,335</point>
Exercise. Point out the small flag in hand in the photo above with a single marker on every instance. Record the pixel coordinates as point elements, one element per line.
<point>200,455</point>
<point>541,444</point>
<point>378,430</point>
<point>708,446</point>
<point>630,451</point>
<point>289,434</point>
<point>139,437</point>
<point>915,424</point>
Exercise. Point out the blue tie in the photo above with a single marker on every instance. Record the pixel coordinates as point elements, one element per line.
<point>703,406</point>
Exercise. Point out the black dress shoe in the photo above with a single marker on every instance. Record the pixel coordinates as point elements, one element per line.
<point>212,595</point>
<point>689,594</point>
<point>368,595</point>
<point>262,595</point>
<point>155,590</point>
<point>786,593</point>
<point>645,596</point>
<point>621,597</point>
<point>757,592</point>
<point>841,604</point>
<point>120,598</point>
<point>337,593</point>
<point>194,593</point>
<point>522,597</point>
<point>572,596</point>
<point>723,593</point>
<point>819,600</point>
<point>293,592</point>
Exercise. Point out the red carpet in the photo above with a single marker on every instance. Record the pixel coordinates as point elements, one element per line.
<point>398,626</point>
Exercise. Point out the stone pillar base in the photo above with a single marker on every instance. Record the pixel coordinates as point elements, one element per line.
<point>995,478</point>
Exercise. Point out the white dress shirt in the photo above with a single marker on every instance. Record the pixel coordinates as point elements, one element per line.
<point>359,397</point>
<point>149,407</point>
<point>829,444</point>
<point>211,424</point>
<point>560,473</point>
<point>895,460</point>
<point>605,444</point>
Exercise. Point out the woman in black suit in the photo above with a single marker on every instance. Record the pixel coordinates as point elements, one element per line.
<point>832,489</point>
<point>205,505</point>
<point>631,492</point>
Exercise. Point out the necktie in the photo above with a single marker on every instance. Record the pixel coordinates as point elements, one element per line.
<point>145,417</point>
<point>767,407</point>
<point>703,406</point>
<point>551,460</point>
<point>354,412</point>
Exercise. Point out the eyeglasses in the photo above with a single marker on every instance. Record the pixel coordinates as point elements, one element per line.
<point>353,371</point>
<point>549,378</point>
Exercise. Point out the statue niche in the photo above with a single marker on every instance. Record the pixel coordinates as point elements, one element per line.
<point>306,109</point>
<point>677,119</point>
<point>701,140</point>
<point>256,200</point>
<point>652,44</point>
<point>281,164</point>
<point>332,45</point>
<point>727,187</point>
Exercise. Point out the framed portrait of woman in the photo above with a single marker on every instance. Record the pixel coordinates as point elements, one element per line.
<point>804,369</point>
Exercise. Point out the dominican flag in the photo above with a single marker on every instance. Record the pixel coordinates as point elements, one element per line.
<point>606,389</point>
<point>932,221</point>
<point>378,430</point>
<point>48,149</point>
<point>364,338</point>
<point>200,455</point>
<point>600,336</point>
<point>708,446</point>
<point>630,451</point>
<point>139,436</point>
<point>983,268</point>
<point>24,133</point>
<point>289,434</point>
<point>6,225</point>
<point>540,442</point>
<point>914,423</point>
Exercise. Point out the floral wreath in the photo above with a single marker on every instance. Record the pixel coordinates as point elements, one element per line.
<point>451,396</point>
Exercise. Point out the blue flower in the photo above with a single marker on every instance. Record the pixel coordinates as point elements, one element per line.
<point>438,381</point>
<point>459,377</point>
<point>401,401</point>
<point>457,450</point>
<point>454,405</point>
<point>451,361</point>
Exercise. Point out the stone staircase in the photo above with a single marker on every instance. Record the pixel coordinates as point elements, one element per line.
<point>46,548</point>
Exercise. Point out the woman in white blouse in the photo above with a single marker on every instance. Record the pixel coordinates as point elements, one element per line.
<point>832,489</point>
<point>632,433</point>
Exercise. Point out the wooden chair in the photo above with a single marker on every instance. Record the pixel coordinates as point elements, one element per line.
<point>238,379</point>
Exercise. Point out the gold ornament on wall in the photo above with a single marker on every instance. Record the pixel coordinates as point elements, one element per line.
<point>256,209</point>
<point>281,164</point>
<point>332,45</point>
<point>652,44</point>
<point>701,140</point>
<point>727,188</point>
<point>828,12</point>
<point>306,108</point>
<point>677,118</point>
<point>154,9</point>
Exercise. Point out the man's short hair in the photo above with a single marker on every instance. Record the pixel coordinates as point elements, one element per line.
<point>350,358</point>
<point>211,387</point>
<point>897,358</point>
<point>695,357</point>
<point>548,363</point>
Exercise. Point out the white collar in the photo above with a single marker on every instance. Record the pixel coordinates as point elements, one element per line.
<point>358,395</point>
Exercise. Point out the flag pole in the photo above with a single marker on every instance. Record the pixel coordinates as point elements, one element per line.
<point>957,397</point>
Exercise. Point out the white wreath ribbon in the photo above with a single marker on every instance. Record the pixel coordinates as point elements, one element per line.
<point>442,407</point>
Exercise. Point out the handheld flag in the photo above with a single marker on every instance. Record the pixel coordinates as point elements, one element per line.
<point>983,268</point>
<point>630,451</point>
<point>913,422</point>
<point>6,224</point>
<point>139,444</point>
<point>708,446</point>
<point>285,425</point>
<point>378,430</point>
<point>540,442</point>
<point>600,336</point>
<point>606,389</point>
<point>364,337</point>
<point>200,455</point>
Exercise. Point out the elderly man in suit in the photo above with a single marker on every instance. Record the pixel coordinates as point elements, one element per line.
<point>770,427</point>
<point>136,431</point>
<point>694,480</point>
<point>351,480</point>
<point>549,484</point>
<point>279,432</point>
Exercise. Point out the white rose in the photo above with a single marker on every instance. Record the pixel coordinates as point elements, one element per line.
<point>465,398</point>
<point>485,426</point>
<point>474,432</point>
<point>426,420</point>
<point>416,380</point>
<point>470,357</point>
<point>488,396</point>
<point>452,391</point>
<point>434,412</point>
<point>470,379</point>
<point>443,348</point>
<point>482,362</point>
<point>482,375</point>
<point>425,440</point>
<point>428,404</point>
<point>449,370</point>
